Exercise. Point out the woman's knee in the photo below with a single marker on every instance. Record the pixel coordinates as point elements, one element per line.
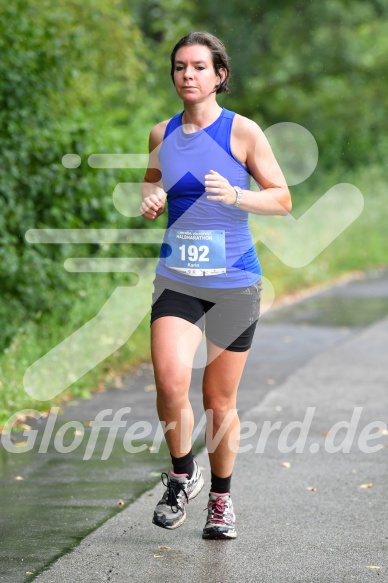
<point>172,386</point>
<point>217,410</point>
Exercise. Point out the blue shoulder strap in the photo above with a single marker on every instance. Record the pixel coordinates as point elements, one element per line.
<point>174,123</point>
<point>228,113</point>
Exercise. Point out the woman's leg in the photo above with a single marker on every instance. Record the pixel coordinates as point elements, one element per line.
<point>174,342</point>
<point>220,383</point>
<point>221,379</point>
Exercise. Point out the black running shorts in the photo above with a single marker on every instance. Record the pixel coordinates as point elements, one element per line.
<point>228,316</point>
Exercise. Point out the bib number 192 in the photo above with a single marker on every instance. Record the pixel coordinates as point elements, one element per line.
<point>194,253</point>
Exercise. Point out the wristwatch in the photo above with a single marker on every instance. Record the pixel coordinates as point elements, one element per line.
<point>239,194</point>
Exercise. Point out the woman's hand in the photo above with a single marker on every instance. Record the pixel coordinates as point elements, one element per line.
<point>152,207</point>
<point>220,188</point>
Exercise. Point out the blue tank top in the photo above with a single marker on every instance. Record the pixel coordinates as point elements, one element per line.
<point>207,243</point>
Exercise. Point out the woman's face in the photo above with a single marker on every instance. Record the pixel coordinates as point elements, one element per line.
<point>194,75</point>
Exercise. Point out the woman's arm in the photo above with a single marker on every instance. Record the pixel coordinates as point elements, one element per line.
<point>251,147</point>
<point>154,197</point>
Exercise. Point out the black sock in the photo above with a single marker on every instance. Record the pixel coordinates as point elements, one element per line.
<point>183,465</point>
<point>220,485</point>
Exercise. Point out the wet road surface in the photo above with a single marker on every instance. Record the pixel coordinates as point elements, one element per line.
<point>51,500</point>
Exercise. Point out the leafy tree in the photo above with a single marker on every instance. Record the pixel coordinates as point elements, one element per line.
<point>64,65</point>
<point>320,64</point>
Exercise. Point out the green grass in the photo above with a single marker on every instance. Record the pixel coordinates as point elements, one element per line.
<point>361,246</point>
<point>36,339</point>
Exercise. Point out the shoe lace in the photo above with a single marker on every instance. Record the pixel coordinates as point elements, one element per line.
<point>173,490</point>
<point>217,508</point>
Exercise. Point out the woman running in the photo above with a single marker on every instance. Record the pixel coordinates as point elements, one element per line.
<point>208,276</point>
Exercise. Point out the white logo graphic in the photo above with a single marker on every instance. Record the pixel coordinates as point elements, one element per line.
<point>296,242</point>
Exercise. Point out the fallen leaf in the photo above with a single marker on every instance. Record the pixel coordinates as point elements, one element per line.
<point>20,443</point>
<point>368,485</point>
<point>120,502</point>
<point>78,432</point>
<point>372,567</point>
<point>29,572</point>
<point>202,468</point>
<point>286,465</point>
<point>149,388</point>
<point>24,426</point>
<point>118,383</point>
<point>21,418</point>
<point>158,556</point>
<point>384,431</point>
<point>325,433</point>
<point>19,478</point>
<point>311,489</point>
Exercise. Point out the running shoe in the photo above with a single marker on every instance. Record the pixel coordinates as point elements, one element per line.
<point>220,517</point>
<point>170,511</point>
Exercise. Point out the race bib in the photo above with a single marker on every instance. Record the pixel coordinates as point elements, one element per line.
<point>196,252</point>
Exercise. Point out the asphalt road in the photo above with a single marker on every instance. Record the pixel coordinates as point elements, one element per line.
<point>310,494</point>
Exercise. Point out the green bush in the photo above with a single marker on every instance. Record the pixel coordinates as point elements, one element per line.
<point>53,88</point>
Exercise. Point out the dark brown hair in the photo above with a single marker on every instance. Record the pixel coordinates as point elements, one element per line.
<point>217,49</point>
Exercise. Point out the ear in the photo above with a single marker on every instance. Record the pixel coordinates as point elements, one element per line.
<point>222,74</point>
